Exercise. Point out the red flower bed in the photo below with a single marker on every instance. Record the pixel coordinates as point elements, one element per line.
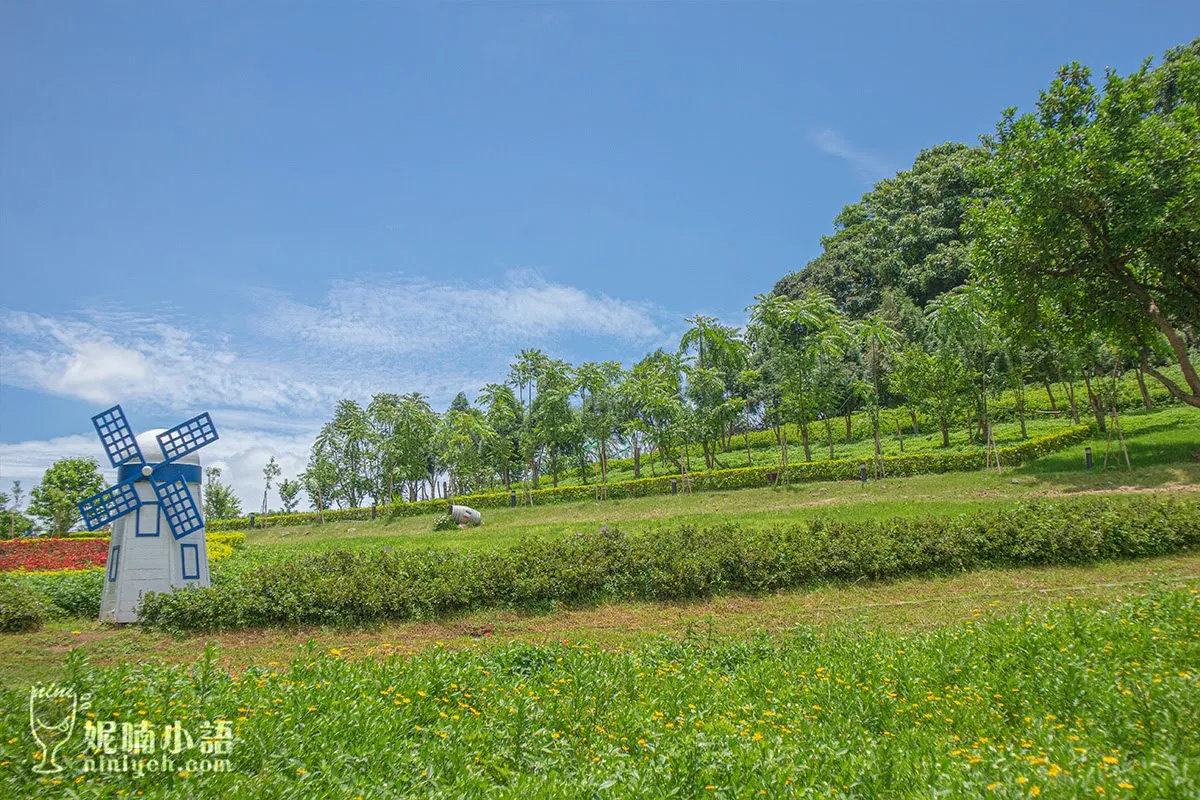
<point>44,554</point>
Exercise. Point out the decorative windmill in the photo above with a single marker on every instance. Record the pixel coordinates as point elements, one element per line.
<point>149,493</point>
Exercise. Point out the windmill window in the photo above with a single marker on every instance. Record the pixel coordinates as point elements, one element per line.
<point>114,559</point>
<point>189,555</point>
<point>148,526</point>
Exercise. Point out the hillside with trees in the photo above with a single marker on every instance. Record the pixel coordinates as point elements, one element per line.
<point>1061,253</point>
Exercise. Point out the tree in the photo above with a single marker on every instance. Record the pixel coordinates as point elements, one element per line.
<point>524,375</point>
<point>504,414</point>
<point>798,337</point>
<point>597,384</point>
<point>465,439</point>
<point>346,442</point>
<point>1096,218</point>
<point>289,494</point>
<point>320,478</point>
<point>270,472</point>
<point>551,415</point>
<point>54,501</point>
<point>933,381</point>
<point>904,235</point>
<point>877,341</point>
<point>12,522</point>
<point>403,429</point>
<point>219,500</point>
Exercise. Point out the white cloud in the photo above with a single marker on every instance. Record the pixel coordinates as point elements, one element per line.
<point>868,166</point>
<point>424,318</point>
<point>270,387</point>
<point>105,357</point>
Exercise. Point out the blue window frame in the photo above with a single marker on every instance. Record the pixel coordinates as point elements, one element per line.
<point>189,555</point>
<point>114,559</point>
<point>148,507</point>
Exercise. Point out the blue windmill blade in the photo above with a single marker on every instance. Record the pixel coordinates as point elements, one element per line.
<point>176,503</point>
<point>117,437</point>
<point>187,437</point>
<point>113,503</point>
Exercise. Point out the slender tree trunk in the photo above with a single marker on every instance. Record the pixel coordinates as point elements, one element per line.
<point>604,469</point>
<point>1049,394</point>
<point>900,433</point>
<point>848,439</point>
<point>1141,379</point>
<point>1071,400</point>
<point>783,451</point>
<point>912,413</point>
<point>1021,409</point>
<point>637,458</point>
<point>829,434</point>
<point>749,462</point>
<point>804,441</point>
<point>944,424</point>
<point>1094,402</point>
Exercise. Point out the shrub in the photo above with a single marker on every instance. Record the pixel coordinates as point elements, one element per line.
<point>21,608</point>
<point>74,593</point>
<point>344,586</point>
<point>445,523</point>
<point>235,540</point>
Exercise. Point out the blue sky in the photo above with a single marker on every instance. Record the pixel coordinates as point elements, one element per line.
<point>255,208</point>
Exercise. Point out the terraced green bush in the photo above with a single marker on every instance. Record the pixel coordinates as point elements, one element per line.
<point>21,607</point>
<point>356,586</point>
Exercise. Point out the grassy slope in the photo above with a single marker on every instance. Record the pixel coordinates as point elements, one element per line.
<point>1085,700</point>
<point>1040,421</point>
<point>1161,445</point>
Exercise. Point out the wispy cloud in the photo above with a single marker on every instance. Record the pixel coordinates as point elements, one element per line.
<point>868,167</point>
<point>101,357</point>
<point>298,358</point>
<point>271,382</point>
<point>416,316</point>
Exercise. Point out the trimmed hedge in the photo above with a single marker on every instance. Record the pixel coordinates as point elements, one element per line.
<point>715,480</point>
<point>359,586</point>
<point>78,594</point>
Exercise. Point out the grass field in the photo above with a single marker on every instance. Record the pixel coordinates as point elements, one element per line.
<point>1064,681</point>
<point>1082,700</point>
<point>1161,446</point>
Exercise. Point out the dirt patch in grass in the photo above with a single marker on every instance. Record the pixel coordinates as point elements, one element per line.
<point>906,604</point>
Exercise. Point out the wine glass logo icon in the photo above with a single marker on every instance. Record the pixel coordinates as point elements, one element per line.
<point>52,710</point>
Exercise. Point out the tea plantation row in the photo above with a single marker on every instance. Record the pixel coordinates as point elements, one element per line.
<point>356,586</point>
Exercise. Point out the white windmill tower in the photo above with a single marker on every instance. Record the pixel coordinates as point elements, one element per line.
<point>157,542</point>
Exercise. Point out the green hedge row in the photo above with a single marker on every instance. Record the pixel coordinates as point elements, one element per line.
<point>716,480</point>
<point>358,586</point>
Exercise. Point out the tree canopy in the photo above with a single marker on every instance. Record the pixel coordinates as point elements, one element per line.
<point>1096,215</point>
<point>904,236</point>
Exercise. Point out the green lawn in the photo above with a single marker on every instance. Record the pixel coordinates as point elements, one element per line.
<point>1086,699</point>
<point>1160,443</point>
